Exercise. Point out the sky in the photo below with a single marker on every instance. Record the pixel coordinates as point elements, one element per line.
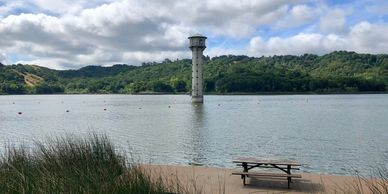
<point>70,34</point>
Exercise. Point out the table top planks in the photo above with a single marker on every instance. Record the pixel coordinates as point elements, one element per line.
<point>274,162</point>
<point>265,174</point>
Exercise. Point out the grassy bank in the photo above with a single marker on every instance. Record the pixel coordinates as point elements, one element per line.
<point>74,165</point>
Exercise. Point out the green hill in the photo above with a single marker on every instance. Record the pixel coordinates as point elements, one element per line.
<point>338,72</point>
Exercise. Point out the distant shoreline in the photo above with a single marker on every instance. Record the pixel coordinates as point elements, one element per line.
<point>214,94</point>
<point>297,93</point>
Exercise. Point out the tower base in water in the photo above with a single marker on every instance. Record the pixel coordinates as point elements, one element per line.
<point>197,99</point>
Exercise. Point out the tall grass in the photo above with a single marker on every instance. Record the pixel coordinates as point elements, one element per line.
<point>377,183</point>
<point>74,165</point>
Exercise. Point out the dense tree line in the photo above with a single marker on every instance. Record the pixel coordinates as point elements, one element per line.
<point>339,71</point>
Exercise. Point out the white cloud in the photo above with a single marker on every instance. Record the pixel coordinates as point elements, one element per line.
<point>363,37</point>
<point>369,38</point>
<point>218,51</point>
<point>94,36</point>
<point>56,6</point>
<point>296,16</point>
<point>132,31</point>
<point>127,30</point>
<point>6,8</point>
<point>298,44</point>
<point>3,58</point>
<point>333,22</point>
<point>229,18</point>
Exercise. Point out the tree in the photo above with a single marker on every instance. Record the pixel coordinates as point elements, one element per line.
<point>158,86</point>
<point>178,85</point>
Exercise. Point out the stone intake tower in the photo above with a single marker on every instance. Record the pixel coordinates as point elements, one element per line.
<point>197,46</point>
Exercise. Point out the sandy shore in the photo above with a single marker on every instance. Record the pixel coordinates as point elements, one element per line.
<point>219,180</point>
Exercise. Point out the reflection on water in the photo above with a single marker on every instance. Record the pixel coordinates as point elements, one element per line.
<point>328,133</point>
<point>198,135</point>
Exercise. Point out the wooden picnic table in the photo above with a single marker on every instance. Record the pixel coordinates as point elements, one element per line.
<point>251,163</point>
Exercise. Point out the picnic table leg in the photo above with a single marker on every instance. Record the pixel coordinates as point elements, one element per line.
<point>245,166</point>
<point>288,178</point>
<point>244,180</point>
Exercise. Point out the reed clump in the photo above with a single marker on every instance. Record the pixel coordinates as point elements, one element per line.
<point>74,165</point>
<point>376,183</point>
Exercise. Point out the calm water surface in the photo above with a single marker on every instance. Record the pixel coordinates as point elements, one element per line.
<point>333,134</point>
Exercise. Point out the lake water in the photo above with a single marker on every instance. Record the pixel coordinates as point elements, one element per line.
<point>333,134</point>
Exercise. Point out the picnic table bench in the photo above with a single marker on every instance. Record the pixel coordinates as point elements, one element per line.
<point>284,166</point>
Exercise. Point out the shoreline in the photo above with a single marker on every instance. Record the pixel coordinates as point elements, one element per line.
<point>211,94</point>
<point>220,180</point>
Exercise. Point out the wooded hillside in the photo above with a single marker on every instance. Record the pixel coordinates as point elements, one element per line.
<point>339,71</point>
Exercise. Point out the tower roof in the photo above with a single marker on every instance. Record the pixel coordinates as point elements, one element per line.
<point>197,36</point>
